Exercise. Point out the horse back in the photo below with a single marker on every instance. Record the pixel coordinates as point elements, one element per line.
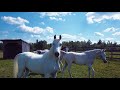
<point>29,57</point>
<point>81,58</point>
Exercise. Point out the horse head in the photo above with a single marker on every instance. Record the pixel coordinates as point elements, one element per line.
<point>102,55</point>
<point>57,46</point>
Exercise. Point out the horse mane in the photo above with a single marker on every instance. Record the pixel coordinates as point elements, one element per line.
<point>47,54</point>
<point>63,51</point>
<point>92,50</point>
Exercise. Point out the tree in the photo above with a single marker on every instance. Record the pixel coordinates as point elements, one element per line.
<point>109,43</point>
<point>115,44</point>
<point>88,43</point>
<point>103,44</point>
<point>99,42</point>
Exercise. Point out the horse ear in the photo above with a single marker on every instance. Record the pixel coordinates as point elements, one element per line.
<point>104,50</point>
<point>54,36</point>
<point>63,52</point>
<point>60,37</point>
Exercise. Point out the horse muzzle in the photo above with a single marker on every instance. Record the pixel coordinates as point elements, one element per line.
<point>105,61</point>
<point>56,54</point>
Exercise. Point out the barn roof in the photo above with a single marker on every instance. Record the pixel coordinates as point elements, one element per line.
<point>13,40</point>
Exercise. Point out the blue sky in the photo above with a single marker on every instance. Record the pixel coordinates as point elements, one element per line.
<point>75,26</point>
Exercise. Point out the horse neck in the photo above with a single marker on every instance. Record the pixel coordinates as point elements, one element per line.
<point>93,52</point>
<point>63,53</point>
<point>50,53</point>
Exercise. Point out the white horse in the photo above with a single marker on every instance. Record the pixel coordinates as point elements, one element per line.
<point>46,64</point>
<point>66,49</point>
<point>84,58</point>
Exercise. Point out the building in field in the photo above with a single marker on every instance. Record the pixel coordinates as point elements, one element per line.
<point>11,47</point>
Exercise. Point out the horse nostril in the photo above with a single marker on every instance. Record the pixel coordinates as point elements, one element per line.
<point>56,54</point>
<point>105,61</point>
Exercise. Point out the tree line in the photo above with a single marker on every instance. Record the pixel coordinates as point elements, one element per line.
<point>77,45</point>
<point>74,46</point>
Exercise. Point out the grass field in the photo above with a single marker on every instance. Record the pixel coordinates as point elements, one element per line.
<point>111,70</point>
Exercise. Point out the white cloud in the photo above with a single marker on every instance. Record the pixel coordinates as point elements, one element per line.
<point>98,34</point>
<point>54,14</point>
<point>49,29</point>
<point>74,14</point>
<point>20,22</point>
<point>68,37</point>
<point>109,39</point>
<point>118,42</point>
<point>42,23</point>
<point>93,17</point>
<point>50,38</point>
<point>65,37</point>
<point>112,29</point>
<point>90,17</point>
<point>36,30</point>
<point>116,33</point>
<point>57,19</point>
<point>13,20</point>
<point>35,36</point>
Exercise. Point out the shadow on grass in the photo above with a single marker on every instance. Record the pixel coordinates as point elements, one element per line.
<point>1,59</point>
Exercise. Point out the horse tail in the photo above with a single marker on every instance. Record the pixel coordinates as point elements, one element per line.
<point>15,66</point>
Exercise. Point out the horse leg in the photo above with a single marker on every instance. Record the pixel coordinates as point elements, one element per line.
<point>93,72</point>
<point>89,71</point>
<point>54,75</point>
<point>27,72</point>
<point>61,65</point>
<point>64,68</point>
<point>20,73</point>
<point>21,70</point>
<point>69,67</point>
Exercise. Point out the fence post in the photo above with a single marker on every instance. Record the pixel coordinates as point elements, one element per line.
<point>111,53</point>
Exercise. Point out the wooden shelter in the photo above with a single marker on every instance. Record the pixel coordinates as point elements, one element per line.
<point>11,47</point>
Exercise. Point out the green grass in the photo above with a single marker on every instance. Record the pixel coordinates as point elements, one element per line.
<point>111,70</point>
<point>6,68</point>
<point>102,70</point>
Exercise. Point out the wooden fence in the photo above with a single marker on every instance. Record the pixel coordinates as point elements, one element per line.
<point>113,53</point>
